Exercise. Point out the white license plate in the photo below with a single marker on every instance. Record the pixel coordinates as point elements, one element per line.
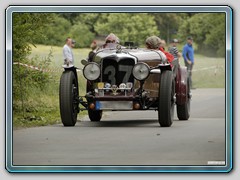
<point>114,105</point>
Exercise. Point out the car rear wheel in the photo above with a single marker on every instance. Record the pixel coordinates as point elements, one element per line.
<point>183,111</point>
<point>68,98</point>
<point>166,101</point>
<point>95,115</point>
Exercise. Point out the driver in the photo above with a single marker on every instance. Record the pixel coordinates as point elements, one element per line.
<point>111,41</point>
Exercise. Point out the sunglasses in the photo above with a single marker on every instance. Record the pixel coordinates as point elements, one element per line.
<point>108,41</point>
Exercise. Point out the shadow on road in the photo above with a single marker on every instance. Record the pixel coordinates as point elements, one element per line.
<point>120,123</point>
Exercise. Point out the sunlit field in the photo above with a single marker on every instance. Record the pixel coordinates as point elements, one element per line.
<point>208,72</point>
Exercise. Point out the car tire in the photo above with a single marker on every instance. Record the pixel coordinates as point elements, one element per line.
<point>68,98</point>
<point>183,111</point>
<point>166,102</point>
<point>95,115</point>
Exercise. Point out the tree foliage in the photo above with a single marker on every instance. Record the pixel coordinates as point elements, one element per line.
<point>27,29</point>
<point>56,31</point>
<point>168,24</point>
<point>81,34</point>
<point>91,19</point>
<point>208,31</point>
<point>129,27</point>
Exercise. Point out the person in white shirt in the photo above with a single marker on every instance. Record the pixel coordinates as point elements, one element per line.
<point>67,52</point>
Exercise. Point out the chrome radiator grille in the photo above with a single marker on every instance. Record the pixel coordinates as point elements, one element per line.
<point>117,72</point>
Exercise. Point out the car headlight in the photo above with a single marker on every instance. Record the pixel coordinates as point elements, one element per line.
<point>141,71</point>
<point>91,71</point>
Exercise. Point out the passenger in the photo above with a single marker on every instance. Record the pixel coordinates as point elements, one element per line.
<point>169,56</point>
<point>153,42</point>
<point>163,44</point>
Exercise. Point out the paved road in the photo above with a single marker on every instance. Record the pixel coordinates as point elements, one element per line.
<point>130,138</point>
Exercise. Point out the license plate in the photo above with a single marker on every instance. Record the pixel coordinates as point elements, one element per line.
<point>114,105</point>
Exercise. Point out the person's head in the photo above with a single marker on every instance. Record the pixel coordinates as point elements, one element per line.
<point>153,42</point>
<point>69,41</point>
<point>163,43</point>
<point>189,40</point>
<point>73,42</point>
<point>112,38</point>
<point>174,42</point>
<point>93,45</point>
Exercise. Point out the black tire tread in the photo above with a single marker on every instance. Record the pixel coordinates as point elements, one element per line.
<point>182,111</point>
<point>165,99</point>
<point>95,116</point>
<point>65,98</point>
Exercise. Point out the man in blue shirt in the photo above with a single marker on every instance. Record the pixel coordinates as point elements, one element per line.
<point>188,56</point>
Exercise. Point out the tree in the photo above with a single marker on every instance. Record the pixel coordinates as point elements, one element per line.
<point>128,26</point>
<point>82,35</point>
<point>90,20</point>
<point>71,17</point>
<point>208,31</point>
<point>168,24</point>
<point>27,29</point>
<point>216,37</point>
<point>56,31</point>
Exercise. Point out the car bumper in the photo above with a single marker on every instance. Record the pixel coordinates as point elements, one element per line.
<point>114,102</point>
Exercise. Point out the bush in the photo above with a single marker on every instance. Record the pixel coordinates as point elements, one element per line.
<point>56,32</point>
<point>82,35</point>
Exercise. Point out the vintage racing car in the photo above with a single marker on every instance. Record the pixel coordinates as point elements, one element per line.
<point>126,79</point>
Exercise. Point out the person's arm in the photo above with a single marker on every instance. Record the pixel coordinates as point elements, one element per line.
<point>179,55</point>
<point>90,56</point>
<point>192,60</point>
<point>163,56</point>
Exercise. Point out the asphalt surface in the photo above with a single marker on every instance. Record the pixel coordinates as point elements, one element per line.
<point>130,138</point>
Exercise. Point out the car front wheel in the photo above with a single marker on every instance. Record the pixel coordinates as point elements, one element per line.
<point>68,98</point>
<point>166,101</point>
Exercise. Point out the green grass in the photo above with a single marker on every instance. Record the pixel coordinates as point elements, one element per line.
<point>57,59</point>
<point>208,72</point>
<point>42,107</point>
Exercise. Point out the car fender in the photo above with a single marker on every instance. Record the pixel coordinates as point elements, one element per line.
<point>181,86</point>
